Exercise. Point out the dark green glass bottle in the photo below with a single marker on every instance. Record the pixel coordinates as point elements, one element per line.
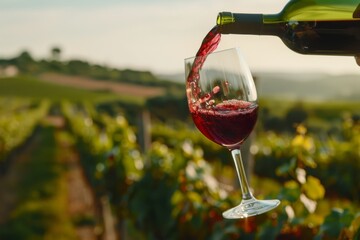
<point>325,27</point>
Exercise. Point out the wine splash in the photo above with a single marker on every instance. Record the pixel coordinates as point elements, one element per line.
<point>209,44</point>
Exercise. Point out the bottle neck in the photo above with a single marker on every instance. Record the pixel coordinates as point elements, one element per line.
<point>241,23</point>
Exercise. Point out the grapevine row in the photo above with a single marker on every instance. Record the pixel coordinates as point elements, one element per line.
<point>17,122</point>
<point>174,194</point>
<point>107,146</point>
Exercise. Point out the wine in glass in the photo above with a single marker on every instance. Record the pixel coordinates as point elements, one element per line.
<point>222,100</point>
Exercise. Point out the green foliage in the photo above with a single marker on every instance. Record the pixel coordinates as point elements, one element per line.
<point>335,223</point>
<point>175,195</point>
<point>295,115</point>
<point>18,119</point>
<point>304,168</point>
<point>40,212</point>
<point>335,161</point>
<point>108,150</point>
<point>25,62</point>
<point>177,132</point>
<point>340,161</point>
<point>319,117</point>
<point>171,192</point>
<point>162,107</point>
<point>149,206</point>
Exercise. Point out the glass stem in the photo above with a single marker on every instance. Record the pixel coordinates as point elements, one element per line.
<point>244,186</point>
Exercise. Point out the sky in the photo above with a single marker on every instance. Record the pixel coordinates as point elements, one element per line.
<point>152,35</point>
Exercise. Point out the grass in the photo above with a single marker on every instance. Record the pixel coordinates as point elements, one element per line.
<point>32,88</point>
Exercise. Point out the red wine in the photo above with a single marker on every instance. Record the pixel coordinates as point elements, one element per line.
<point>209,44</point>
<point>228,123</point>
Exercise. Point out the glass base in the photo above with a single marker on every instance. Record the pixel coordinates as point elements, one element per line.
<point>250,207</point>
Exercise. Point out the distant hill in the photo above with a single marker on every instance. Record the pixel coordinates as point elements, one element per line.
<point>24,63</point>
<point>176,77</point>
<point>309,86</point>
<point>291,85</point>
<point>315,86</point>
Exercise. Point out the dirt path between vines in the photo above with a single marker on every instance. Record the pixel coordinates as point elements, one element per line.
<point>84,211</point>
<point>10,179</point>
<point>80,199</point>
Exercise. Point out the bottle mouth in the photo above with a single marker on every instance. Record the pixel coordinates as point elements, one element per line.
<point>356,13</point>
<point>225,18</point>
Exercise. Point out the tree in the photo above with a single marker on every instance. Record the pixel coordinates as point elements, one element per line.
<point>55,53</point>
<point>25,62</point>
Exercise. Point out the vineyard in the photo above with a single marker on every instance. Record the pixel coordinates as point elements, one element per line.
<point>18,119</point>
<point>307,155</point>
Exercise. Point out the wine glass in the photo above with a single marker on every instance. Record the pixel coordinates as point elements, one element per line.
<point>222,100</point>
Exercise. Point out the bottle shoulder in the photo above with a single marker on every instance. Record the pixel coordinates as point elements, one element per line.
<point>318,10</point>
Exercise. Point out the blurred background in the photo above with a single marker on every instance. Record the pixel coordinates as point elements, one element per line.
<point>96,141</point>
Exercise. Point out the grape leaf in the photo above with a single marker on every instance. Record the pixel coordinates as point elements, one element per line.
<point>313,188</point>
<point>334,223</point>
<point>286,167</point>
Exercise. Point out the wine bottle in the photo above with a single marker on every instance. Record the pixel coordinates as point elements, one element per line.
<point>324,27</point>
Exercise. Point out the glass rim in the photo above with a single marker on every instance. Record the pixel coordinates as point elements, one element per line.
<point>215,52</point>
